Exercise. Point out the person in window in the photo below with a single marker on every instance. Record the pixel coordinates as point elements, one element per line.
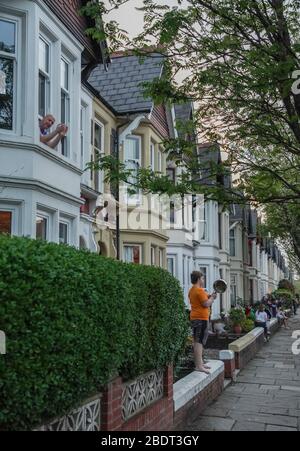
<point>51,139</point>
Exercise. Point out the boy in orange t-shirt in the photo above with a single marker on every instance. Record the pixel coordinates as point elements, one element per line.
<point>199,316</point>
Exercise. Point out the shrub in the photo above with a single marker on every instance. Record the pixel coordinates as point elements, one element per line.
<point>285,296</point>
<point>237,316</point>
<point>285,284</point>
<point>73,321</point>
<point>248,325</point>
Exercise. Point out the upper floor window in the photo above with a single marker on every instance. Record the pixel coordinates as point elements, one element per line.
<point>65,102</point>
<point>160,161</point>
<point>44,77</point>
<point>97,152</point>
<point>203,222</point>
<point>232,243</point>
<point>133,161</point>
<point>152,156</point>
<point>8,60</point>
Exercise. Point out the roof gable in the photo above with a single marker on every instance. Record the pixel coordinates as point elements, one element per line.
<point>122,87</point>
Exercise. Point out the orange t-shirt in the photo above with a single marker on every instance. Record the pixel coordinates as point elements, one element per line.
<point>198,297</point>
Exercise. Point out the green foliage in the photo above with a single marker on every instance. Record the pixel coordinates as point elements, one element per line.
<point>73,321</point>
<point>286,296</point>
<point>286,285</point>
<point>237,316</point>
<point>248,325</point>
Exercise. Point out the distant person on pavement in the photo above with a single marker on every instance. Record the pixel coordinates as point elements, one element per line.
<point>200,311</point>
<point>261,320</point>
<point>51,139</point>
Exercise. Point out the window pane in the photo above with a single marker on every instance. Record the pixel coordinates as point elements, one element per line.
<point>42,95</point>
<point>6,93</point>
<point>41,228</point>
<point>171,265</point>
<point>7,36</point>
<point>44,55</point>
<point>64,70</point>
<point>132,149</point>
<point>203,269</point>
<point>63,233</point>
<point>98,136</point>
<point>132,254</point>
<point>5,222</point>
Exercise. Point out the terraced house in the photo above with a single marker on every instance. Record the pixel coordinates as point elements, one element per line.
<point>44,55</point>
<point>139,133</point>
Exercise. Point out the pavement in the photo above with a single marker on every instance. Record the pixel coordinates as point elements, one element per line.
<point>266,396</point>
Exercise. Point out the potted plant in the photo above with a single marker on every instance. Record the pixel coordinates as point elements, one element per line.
<point>237,317</point>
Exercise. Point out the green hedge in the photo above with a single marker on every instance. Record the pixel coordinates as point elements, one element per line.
<point>74,320</point>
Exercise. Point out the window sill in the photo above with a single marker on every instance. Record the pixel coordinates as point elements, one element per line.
<point>44,150</point>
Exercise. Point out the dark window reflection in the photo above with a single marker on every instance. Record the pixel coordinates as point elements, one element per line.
<point>6,93</point>
<point>7,36</point>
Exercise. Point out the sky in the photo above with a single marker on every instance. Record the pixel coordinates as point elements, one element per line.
<point>130,19</point>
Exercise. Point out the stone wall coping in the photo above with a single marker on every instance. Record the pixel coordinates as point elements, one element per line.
<point>243,342</point>
<point>273,321</point>
<point>190,386</point>
<point>226,355</point>
<point>257,332</point>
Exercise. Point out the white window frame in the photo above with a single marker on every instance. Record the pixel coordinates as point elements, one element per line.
<point>161,258</point>
<point>68,224</point>
<point>153,255</point>
<point>159,160</point>
<point>83,109</point>
<point>152,156</point>
<point>173,259</point>
<point>233,283</point>
<point>16,68</point>
<point>232,239</point>
<point>47,217</point>
<point>66,92</point>
<point>46,76</point>
<point>98,152</point>
<point>204,269</point>
<point>131,245</point>
<point>204,238</point>
<point>136,198</point>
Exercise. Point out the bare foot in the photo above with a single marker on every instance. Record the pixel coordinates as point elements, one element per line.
<point>207,367</point>
<point>202,370</point>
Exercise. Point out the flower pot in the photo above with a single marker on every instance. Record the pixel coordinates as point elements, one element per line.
<point>237,330</point>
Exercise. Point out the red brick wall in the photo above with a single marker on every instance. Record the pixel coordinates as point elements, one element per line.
<point>157,417</point>
<point>199,403</point>
<point>243,358</point>
<point>67,12</point>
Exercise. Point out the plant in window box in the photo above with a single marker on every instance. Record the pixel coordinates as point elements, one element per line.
<point>237,318</point>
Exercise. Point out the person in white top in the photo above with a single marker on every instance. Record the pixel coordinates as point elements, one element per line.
<point>262,320</point>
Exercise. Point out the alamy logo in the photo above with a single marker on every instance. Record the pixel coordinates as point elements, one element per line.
<point>296,84</point>
<point>296,344</point>
<point>2,343</point>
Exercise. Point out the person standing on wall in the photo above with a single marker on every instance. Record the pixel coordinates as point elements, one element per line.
<point>201,304</point>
